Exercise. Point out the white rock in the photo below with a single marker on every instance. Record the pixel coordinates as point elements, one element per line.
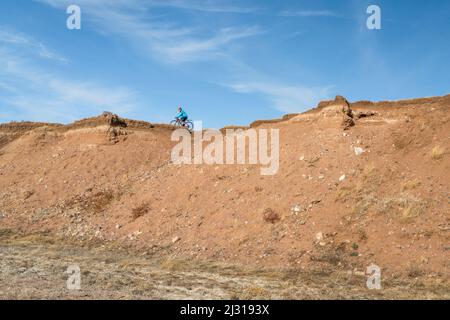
<point>175,239</point>
<point>297,209</point>
<point>359,151</point>
<point>342,178</point>
<point>302,158</point>
<point>319,236</point>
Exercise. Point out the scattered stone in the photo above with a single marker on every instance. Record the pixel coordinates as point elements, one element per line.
<point>27,194</point>
<point>364,114</point>
<point>175,239</point>
<point>302,158</point>
<point>118,226</point>
<point>134,235</point>
<point>359,151</point>
<point>297,209</point>
<point>342,178</point>
<point>319,236</point>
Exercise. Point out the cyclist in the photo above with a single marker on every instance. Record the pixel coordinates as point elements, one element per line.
<point>182,115</point>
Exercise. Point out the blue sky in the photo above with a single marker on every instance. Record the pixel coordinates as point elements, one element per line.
<point>226,62</point>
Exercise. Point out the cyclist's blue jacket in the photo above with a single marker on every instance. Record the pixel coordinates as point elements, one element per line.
<point>182,115</point>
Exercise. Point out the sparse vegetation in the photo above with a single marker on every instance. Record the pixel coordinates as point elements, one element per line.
<point>270,216</point>
<point>252,293</point>
<point>437,153</point>
<point>410,185</point>
<point>408,206</point>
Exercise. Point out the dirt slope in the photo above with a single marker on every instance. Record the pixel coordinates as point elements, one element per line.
<point>112,180</point>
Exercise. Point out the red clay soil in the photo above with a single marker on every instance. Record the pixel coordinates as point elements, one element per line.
<point>111,179</point>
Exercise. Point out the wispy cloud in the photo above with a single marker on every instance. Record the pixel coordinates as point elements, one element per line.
<point>308,13</point>
<point>217,6</point>
<point>203,49</point>
<point>165,41</point>
<point>30,91</point>
<point>9,37</point>
<point>285,98</point>
<point>204,5</point>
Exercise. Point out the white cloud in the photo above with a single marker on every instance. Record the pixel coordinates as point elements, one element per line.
<point>201,49</point>
<point>308,13</point>
<point>197,5</point>
<point>33,93</point>
<point>14,38</point>
<point>165,41</point>
<point>285,98</point>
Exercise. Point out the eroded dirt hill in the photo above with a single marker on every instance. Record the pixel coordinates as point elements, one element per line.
<point>358,183</point>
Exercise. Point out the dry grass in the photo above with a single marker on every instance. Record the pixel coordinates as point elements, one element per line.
<point>437,153</point>
<point>406,206</point>
<point>100,200</point>
<point>251,293</point>
<point>363,204</point>
<point>91,202</point>
<point>139,211</point>
<point>343,194</point>
<point>172,264</point>
<point>128,275</point>
<point>410,185</point>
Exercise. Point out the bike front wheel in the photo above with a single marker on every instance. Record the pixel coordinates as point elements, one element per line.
<point>189,125</point>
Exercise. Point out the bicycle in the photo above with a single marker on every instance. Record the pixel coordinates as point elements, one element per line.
<point>188,124</point>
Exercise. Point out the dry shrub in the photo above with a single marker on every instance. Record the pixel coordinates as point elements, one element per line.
<point>139,211</point>
<point>407,207</point>
<point>363,204</point>
<point>371,176</point>
<point>100,200</point>
<point>343,194</point>
<point>91,202</point>
<point>437,153</point>
<point>270,216</point>
<point>410,185</point>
